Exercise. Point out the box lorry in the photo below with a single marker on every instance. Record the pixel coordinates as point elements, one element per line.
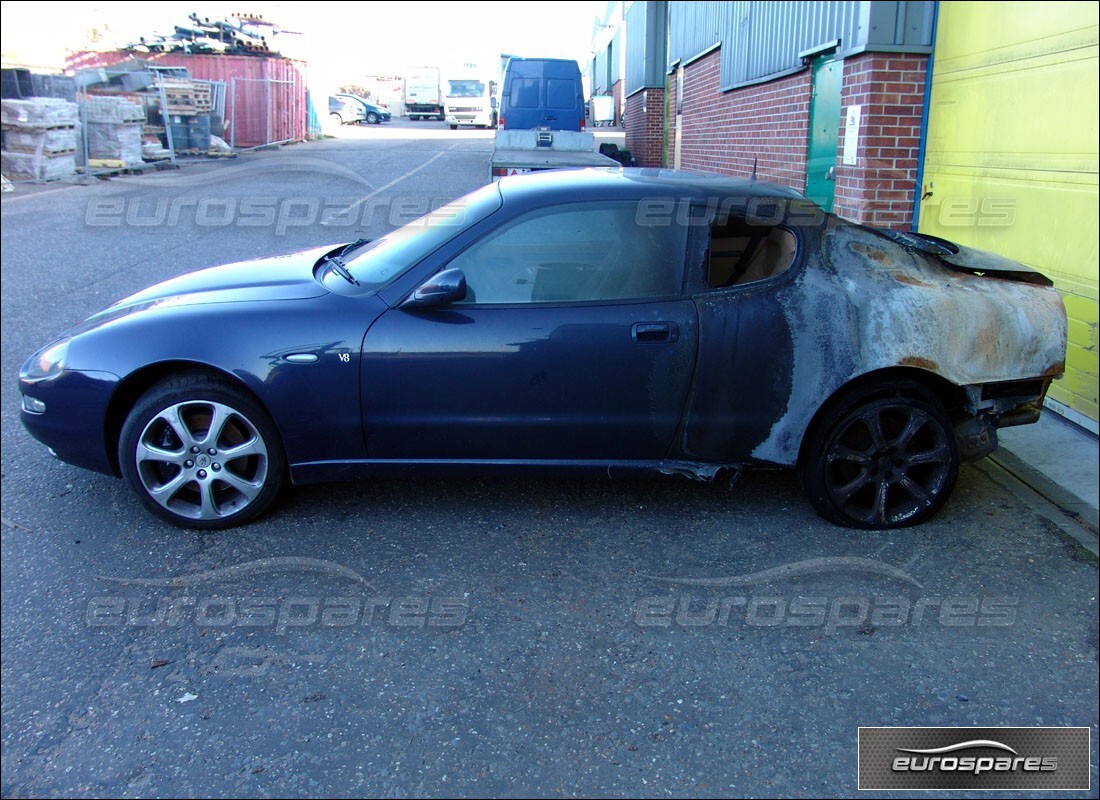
<point>422,95</point>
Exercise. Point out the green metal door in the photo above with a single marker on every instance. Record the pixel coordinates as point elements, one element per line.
<point>824,130</point>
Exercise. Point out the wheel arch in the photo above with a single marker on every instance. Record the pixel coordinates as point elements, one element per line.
<point>952,397</point>
<point>137,383</point>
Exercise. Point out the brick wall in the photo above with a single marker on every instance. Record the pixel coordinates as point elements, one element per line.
<point>724,132</point>
<point>880,189</point>
<point>645,126</point>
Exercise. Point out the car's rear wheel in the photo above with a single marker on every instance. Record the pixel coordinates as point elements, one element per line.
<point>201,454</point>
<point>884,458</point>
<point>336,118</point>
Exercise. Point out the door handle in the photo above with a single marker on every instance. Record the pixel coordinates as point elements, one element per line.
<point>654,332</point>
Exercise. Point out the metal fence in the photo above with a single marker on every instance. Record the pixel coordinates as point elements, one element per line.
<point>261,112</point>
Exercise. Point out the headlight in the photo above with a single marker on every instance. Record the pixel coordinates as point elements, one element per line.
<point>46,363</point>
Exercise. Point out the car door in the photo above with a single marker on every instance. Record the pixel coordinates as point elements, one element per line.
<point>575,341</point>
<point>745,363</point>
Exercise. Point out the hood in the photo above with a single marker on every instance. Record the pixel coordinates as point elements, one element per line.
<point>288,277</point>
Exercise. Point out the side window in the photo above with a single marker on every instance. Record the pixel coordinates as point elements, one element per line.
<point>742,252</point>
<point>580,252</point>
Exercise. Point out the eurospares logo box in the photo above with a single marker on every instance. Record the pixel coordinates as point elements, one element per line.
<point>1026,759</point>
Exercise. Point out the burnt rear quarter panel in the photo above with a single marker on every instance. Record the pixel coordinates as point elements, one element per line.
<point>862,303</point>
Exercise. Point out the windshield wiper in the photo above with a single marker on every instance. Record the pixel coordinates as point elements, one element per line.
<point>338,265</point>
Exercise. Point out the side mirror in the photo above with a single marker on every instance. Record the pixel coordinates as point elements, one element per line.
<point>444,287</point>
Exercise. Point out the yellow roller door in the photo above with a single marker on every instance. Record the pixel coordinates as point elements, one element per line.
<point>1011,160</point>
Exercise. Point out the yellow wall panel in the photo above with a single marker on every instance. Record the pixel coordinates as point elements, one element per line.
<point>1012,153</point>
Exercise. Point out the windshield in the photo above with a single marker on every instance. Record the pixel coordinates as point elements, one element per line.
<point>465,88</point>
<point>382,260</point>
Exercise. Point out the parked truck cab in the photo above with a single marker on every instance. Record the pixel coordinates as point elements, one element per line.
<point>542,93</point>
<point>470,101</point>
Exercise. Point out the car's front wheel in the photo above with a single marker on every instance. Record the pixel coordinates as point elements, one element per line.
<point>372,118</point>
<point>201,454</point>
<point>884,458</point>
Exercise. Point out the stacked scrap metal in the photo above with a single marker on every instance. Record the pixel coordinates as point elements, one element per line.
<point>40,138</point>
<point>242,34</point>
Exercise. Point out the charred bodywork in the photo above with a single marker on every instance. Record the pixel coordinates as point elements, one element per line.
<point>610,321</point>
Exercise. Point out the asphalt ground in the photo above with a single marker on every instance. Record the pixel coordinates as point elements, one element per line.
<point>474,637</point>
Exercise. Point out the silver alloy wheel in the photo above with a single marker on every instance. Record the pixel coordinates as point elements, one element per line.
<point>202,460</point>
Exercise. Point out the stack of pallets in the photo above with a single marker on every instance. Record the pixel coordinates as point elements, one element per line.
<point>40,138</point>
<point>187,98</point>
<point>188,104</point>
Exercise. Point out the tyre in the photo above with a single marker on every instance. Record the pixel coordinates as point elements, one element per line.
<point>372,118</point>
<point>881,458</point>
<point>201,454</point>
<point>454,127</point>
<point>336,118</point>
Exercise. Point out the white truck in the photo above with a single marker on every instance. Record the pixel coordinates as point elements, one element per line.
<point>422,95</point>
<point>470,98</point>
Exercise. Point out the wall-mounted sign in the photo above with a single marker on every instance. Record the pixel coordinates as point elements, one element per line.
<point>851,135</point>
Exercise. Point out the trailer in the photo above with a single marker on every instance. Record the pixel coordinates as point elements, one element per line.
<point>520,152</point>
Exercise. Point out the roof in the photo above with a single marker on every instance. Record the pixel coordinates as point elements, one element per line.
<point>633,183</point>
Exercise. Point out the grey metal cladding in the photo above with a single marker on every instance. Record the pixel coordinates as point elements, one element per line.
<point>694,27</point>
<point>765,39</point>
<point>645,45</point>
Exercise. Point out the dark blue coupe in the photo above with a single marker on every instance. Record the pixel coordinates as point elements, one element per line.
<point>607,321</point>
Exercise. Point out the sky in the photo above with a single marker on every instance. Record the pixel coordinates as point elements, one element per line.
<point>340,41</point>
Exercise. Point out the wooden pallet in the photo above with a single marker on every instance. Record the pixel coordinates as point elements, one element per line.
<point>35,151</point>
<point>106,172</point>
<point>33,126</point>
<point>187,97</point>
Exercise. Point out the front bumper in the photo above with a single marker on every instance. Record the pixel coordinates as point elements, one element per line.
<point>74,422</point>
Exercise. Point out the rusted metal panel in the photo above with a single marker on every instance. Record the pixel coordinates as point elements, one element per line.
<point>253,115</point>
<point>904,308</point>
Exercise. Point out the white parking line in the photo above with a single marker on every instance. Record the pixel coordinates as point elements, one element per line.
<point>396,180</point>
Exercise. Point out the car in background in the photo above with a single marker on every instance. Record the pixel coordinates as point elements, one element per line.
<point>345,111</point>
<point>373,114</point>
<point>602,321</point>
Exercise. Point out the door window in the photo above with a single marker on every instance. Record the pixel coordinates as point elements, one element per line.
<point>581,252</point>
